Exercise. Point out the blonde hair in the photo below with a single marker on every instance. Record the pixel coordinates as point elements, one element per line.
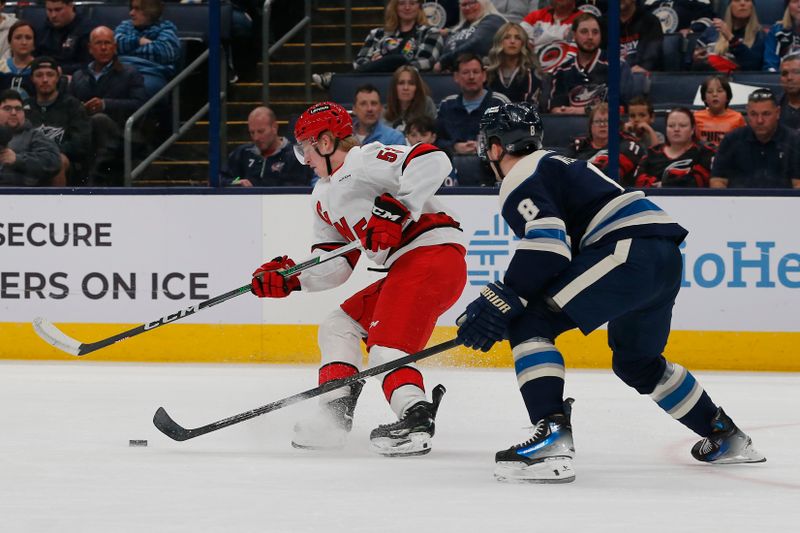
<point>417,105</point>
<point>348,143</point>
<point>488,9</point>
<point>787,21</point>
<point>391,21</point>
<point>495,58</point>
<point>750,30</point>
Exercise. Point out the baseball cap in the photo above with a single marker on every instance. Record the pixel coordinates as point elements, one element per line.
<point>43,62</point>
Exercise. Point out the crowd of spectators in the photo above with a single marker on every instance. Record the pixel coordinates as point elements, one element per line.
<point>553,53</point>
<point>79,83</point>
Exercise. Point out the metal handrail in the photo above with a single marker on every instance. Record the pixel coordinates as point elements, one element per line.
<point>177,129</point>
<point>267,51</point>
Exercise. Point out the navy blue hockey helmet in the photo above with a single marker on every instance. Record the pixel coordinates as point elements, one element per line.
<point>517,126</point>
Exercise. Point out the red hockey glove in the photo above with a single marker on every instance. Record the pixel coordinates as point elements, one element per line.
<point>385,226</point>
<point>268,283</point>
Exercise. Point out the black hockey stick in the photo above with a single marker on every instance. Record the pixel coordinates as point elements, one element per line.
<point>55,337</point>
<point>175,431</point>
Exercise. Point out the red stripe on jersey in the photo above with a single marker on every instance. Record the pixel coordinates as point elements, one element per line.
<point>418,150</point>
<point>426,222</point>
<point>702,176</point>
<point>336,370</point>
<point>645,180</point>
<point>405,375</point>
<point>351,257</point>
<point>626,165</point>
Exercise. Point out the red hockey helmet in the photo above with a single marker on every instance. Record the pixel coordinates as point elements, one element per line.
<point>325,116</point>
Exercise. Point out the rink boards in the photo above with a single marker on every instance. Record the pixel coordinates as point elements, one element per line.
<point>97,265</point>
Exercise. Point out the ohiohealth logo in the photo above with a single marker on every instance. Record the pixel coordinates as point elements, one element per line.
<point>488,245</point>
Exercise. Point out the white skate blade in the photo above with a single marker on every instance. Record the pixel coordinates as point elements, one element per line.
<point>748,454</point>
<point>316,446</point>
<point>414,444</point>
<point>549,470</point>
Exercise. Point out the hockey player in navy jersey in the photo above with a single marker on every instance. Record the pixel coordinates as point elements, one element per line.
<point>589,253</point>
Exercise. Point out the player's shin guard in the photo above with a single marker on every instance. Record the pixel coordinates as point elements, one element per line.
<point>540,374</point>
<point>544,458</point>
<point>727,444</point>
<point>402,387</point>
<point>682,397</point>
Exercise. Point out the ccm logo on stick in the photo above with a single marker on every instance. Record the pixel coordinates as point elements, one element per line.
<point>171,318</point>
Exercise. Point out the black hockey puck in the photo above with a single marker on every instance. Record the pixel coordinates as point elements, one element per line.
<point>134,442</point>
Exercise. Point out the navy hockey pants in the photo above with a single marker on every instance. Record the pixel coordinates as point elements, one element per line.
<point>632,285</point>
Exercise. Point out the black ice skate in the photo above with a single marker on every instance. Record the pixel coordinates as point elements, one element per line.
<point>327,429</point>
<point>727,444</point>
<point>544,458</point>
<point>411,435</point>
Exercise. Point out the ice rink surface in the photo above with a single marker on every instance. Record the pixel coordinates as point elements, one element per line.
<point>65,463</point>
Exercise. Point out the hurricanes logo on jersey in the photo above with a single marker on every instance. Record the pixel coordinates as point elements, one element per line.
<point>600,159</point>
<point>677,170</point>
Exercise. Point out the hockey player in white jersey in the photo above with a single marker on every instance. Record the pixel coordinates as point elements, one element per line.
<point>383,196</point>
<point>589,253</point>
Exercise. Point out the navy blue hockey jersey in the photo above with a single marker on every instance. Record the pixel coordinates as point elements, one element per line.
<point>559,206</point>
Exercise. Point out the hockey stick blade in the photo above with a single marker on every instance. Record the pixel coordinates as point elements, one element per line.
<point>58,339</point>
<point>175,431</point>
<point>55,337</point>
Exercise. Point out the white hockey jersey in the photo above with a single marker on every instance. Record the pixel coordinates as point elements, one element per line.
<point>343,204</point>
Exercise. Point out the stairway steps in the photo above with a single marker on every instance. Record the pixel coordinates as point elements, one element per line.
<point>186,162</point>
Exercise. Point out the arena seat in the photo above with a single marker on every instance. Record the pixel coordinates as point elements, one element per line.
<point>192,20</point>
<point>559,130</point>
<point>674,89</point>
<point>35,14</point>
<point>673,52</point>
<point>343,86</point>
<point>110,15</point>
<point>759,79</point>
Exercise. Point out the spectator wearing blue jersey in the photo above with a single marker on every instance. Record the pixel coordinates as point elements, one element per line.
<point>783,37</point>
<point>683,16</point>
<point>149,44</point>
<point>512,69</point>
<point>368,125</point>
<point>582,80</point>
<point>763,155</point>
<point>268,160</point>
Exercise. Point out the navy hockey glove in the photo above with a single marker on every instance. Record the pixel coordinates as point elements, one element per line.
<point>268,283</point>
<point>486,319</point>
<point>385,226</point>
